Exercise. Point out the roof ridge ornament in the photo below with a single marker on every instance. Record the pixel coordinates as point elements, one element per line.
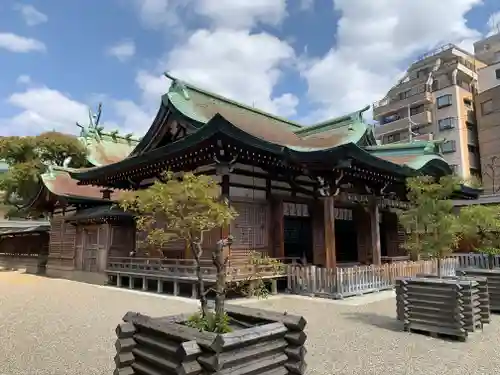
<point>177,84</point>
<point>93,129</point>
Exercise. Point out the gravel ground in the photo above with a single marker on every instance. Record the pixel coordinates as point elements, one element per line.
<point>59,327</point>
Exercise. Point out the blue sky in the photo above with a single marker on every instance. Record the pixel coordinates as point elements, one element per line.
<point>303,59</point>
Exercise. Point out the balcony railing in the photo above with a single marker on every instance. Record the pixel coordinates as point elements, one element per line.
<point>421,94</point>
<point>422,118</point>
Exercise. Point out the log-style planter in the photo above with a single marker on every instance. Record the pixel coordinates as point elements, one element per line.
<point>484,297</point>
<point>493,277</point>
<point>263,343</point>
<point>439,306</point>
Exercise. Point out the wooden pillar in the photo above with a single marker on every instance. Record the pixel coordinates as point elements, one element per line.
<point>374,213</point>
<point>329,232</point>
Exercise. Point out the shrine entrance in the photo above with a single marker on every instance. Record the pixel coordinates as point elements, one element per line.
<point>297,228</point>
<point>346,242</point>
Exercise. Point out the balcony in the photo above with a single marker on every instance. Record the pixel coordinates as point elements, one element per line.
<point>388,105</point>
<point>422,118</point>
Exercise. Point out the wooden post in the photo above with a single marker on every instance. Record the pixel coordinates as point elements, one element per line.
<point>329,232</point>
<point>361,221</point>
<point>374,212</point>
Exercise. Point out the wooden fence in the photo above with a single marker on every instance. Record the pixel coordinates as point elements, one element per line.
<point>476,260</point>
<point>344,282</point>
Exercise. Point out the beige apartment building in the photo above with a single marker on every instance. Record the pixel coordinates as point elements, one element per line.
<point>435,100</point>
<point>487,103</point>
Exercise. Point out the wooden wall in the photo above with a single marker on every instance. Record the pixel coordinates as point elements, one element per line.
<point>62,244</point>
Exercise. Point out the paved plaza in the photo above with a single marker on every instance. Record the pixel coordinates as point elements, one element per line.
<point>59,327</point>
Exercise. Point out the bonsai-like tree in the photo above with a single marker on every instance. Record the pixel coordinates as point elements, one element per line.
<point>431,224</point>
<point>480,226</point>
<point>186,207</point>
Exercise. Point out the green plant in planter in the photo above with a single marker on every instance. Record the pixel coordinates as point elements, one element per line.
<point>431,224</point>
<point>185,207</point>
<point>480,225</point>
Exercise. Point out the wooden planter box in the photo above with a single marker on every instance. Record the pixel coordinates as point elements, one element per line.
<point>484,297</point>
<point>439,306</point>
<point>493,277</point>
<point>274,344</point>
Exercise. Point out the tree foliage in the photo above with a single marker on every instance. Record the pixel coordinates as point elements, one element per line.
<point>435,228</point>
<point>431,223</point>
<point>185,207</point>
<point>480,226</point>
<point>27,157</point>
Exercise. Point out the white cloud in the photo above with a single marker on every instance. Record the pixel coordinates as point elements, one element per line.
<point>43,109</point>
<point>493,24</point>
<point>31,15</point>
<point>123,50</point>
<point>16,43</point>
<point>238,64</point>
<point>24,79</point>
<point>242,14</point>
<point>375,39</point>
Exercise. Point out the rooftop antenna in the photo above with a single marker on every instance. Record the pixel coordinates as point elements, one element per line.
<point>411,123</point>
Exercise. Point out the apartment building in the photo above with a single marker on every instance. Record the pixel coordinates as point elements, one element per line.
<point>487,103</point>
<point>435,99</point>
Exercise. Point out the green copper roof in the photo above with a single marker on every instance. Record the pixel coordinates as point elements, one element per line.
<point>416,155</point>
<point>104,148</point>
<point>327,143</point>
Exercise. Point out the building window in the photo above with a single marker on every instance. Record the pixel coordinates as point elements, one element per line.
<point>449,146</point>
<point>393,138</point>
<point>446,123</point>
<point>416,110</point>
<point>444,101</point>
<point>468,103</point>
<point>497,73</point>
<point>404,94</point>
<point>486,107</point>
<point>390,118</point>
<point>497,57</point>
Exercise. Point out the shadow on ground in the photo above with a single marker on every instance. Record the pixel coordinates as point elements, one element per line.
<point>381,321</point>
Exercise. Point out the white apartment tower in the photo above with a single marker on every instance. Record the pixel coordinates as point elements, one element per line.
<point>435,99</point>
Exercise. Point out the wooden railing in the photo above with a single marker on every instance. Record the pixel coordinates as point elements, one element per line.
<point>187,268</point>
<point>476,260</point>
<point>343,282</point>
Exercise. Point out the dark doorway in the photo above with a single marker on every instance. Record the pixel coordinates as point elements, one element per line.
<point>298,238</point>
<point>383,240</point>
<point>346,242</point>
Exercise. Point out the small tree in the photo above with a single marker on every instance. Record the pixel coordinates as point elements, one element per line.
<point>186,207</point>
<point>480,226</point>
<point>430,220</point>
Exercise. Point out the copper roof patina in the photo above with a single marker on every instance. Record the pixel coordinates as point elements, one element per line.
<point>104,148</point>
<point>211,114</point>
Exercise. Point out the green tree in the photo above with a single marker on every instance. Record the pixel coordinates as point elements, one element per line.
<point>185,207</point>
<point>28,157</point>
<point>480,226</point>
<point>431,224</point>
